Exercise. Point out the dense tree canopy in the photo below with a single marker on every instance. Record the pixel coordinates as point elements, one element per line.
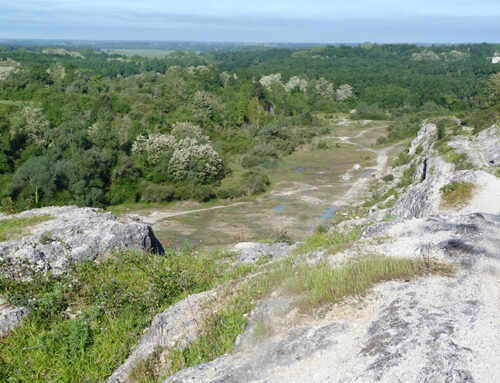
<point>93,128</point>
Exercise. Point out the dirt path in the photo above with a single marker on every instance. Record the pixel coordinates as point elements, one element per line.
<point>157,215</point>
<point>358,187</point>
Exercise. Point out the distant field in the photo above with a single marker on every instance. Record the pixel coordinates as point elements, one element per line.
<point>141,52</point>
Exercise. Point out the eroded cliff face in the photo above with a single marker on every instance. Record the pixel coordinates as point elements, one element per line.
<point>440,328</point>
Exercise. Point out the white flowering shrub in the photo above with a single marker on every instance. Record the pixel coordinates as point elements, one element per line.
<point>324,88</point>
<point>296,81</point>
<point>269,80</point>
<point>344,92</point>
<point>425,55</point>
<point>32,123</point>
<point>187,151</point>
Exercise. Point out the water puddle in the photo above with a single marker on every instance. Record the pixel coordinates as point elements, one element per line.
<point>279,208</point>
<point>367,173</point>
<point>328,213</point>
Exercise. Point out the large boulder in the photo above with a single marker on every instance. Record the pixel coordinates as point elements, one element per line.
<point>71,234</point>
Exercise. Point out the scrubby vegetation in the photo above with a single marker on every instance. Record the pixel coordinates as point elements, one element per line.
<point>94,128</point>
<point>84,324</point>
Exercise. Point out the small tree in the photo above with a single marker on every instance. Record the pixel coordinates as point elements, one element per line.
<point>39,174</point>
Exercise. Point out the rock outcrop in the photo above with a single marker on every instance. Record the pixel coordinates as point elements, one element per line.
<point>175,328</point>
<point>11,317</point>
<point>251,252</point>
<point>71,234</point>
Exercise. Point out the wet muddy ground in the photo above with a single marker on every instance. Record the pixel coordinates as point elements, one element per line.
<point>303,189</point>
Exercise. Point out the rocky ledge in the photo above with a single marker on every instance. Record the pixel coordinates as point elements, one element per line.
<point>70,235</point>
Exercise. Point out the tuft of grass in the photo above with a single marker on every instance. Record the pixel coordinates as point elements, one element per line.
<point>326,284</point>
<point>330,241</point>
<point>13,228</point>
<point>457,193</point>
<point>460,160</point>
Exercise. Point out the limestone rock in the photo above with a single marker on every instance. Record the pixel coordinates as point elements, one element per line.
<point>72,235</point>
<point>175,328</point>
<point>425,137</point>
<point>11,317</point>
<point>250,252</point>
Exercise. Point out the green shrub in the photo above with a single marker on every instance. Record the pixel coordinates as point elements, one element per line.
<point>441,129</point>
<point>255,181</point>
<point>382,140</point>
<point>403,158</point>
<point>157,193</point>
<point>388,178</point>
<point>407,178</point>
<point>251,161</point>
<point>230,193</point>
<point>203,193</point>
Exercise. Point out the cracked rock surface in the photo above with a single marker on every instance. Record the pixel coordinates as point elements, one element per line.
<point>72,234</point>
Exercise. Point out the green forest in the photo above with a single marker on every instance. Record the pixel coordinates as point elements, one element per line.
<point>89,127</point>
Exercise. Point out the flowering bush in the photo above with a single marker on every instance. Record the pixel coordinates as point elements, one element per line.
<point>268,81</point>
<point>344,92</point>
<point>187,151</point>
<point>324,88</point>
<point>296,81</point>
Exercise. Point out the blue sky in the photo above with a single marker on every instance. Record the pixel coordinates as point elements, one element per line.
<point>321,21</point>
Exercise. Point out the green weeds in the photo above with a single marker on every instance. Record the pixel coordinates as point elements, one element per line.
<point>12,228</point>
<point>84,324</point>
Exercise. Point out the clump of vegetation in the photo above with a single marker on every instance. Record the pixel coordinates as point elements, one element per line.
<point>407,178</point>
<point>333,241</point>
<point>98,311</point>
<point>326,284</point>
<point>12,228</point>
<point>403,158</point>
<point>441,129</point>
<point>388,178</point>
<point>457,193</point>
